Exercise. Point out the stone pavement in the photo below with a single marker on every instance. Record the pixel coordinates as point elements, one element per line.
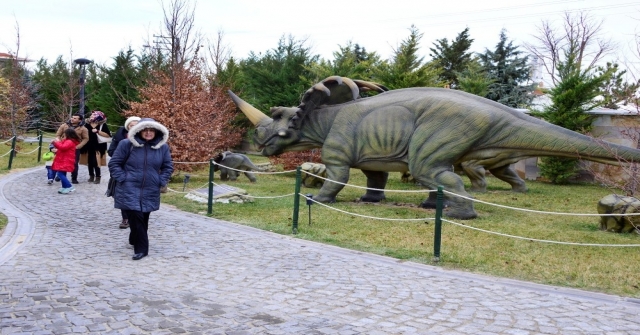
<point>64,268</point>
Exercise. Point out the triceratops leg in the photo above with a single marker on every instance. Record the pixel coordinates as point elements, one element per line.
<point>375,179</point>
<point>458,208</point>
<point>508,174</point>
<point>476,175</point>
<point>330,189</point>
<point>251,176</point>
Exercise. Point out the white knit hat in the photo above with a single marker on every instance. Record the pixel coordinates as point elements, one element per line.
<point>129,120</point>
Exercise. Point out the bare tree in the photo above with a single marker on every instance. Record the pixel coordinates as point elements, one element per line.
<point>579,35</point>
<point>179,37</point>
<point>179,30</point>
<point>19,98</point>
<point>219,54</point>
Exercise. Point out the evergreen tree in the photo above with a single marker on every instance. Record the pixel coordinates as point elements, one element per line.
<point>474,79</point>
<point>113,88</point>
<point>616,90</point>
<point>510,72</point>
<point>58,88</point>
<point>572,97</point>
<point>275,78</point>
<point>350,61</point>
<point>407,68</point>
<point>452,57</point>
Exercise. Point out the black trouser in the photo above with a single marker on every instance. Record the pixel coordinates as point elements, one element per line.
<point>92,164</point>
<point>74,174</point>
<point>138,225</point>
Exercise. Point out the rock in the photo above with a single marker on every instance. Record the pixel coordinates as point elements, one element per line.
<point>315,168</point>
<point>617,204</point>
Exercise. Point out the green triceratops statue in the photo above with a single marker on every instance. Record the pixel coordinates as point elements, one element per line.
<point>425,131</point>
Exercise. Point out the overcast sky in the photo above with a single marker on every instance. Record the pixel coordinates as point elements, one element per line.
<point>99,29</point>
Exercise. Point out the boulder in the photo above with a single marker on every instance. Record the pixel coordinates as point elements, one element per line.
<point>617,204</point>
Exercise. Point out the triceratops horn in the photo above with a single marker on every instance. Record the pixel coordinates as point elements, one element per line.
<point>253,114</point>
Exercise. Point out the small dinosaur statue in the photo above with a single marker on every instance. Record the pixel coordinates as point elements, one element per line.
<point>425,131</point>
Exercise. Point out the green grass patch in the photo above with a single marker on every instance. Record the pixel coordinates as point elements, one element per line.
<point>604,269</point>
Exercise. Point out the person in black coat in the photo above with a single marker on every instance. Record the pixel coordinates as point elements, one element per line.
<point>120,135</point>
<point>141,165</point>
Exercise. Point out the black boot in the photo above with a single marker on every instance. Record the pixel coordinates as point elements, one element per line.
<point>90,179</point>
<point>97,180</point>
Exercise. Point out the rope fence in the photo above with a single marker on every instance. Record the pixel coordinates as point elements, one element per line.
<point>298,195</point>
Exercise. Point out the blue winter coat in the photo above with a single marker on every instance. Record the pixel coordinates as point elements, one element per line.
<point>147,169</point>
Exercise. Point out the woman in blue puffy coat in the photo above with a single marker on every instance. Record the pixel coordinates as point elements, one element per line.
<point>141,165</point>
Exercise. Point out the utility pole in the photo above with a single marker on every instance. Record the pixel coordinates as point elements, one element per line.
<point>170,44</point>
<point>82,62</point>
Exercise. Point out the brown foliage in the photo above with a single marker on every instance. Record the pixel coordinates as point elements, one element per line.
<point>197,115</point>
<point>292,159</point>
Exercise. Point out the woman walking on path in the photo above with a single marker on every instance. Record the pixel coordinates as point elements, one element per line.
<point>93,154</point>
<point>120,135</point>
<point>141,165</point>
<point>65,159</point>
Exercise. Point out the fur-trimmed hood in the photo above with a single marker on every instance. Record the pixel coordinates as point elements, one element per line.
<point>157,142</point>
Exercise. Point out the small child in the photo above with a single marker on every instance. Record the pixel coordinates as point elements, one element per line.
<point>48,162</point>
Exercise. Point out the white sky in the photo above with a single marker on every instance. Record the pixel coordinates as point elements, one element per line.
<point>99,29</point>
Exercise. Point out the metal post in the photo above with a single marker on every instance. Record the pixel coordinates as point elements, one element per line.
<point>437,236</point>
<point>210,200</point>
<point>296,201</point>
<point>82,62</point>
<point>13,151</point>
<point>39,144</point>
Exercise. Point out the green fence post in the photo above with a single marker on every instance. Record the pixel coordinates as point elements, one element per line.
<point>39,144</point>
<point>437,236</point>
<point>13,151</point>
<point>210,200</point>
<point>296,201</point>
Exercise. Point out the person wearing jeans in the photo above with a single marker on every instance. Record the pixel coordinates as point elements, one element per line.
<point>64,160</point>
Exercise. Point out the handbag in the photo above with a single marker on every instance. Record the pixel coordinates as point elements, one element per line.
<point>111,185</point>
<point>103,139</point>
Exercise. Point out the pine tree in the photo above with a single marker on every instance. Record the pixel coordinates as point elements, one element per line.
<point>275,78</point>
<point>406,68</point>
<point>452,57</point>
<point>114,87</point>
<point>510,73</point>
<point>351,61</point>
<point>58,88</point>
<point>571,98</point>
<point>474,79</point>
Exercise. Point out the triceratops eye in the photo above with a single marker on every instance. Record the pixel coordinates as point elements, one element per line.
<point>260,132</point>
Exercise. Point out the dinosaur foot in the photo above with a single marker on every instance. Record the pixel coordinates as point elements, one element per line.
<point>372,197</point>
<point>461,214</point>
